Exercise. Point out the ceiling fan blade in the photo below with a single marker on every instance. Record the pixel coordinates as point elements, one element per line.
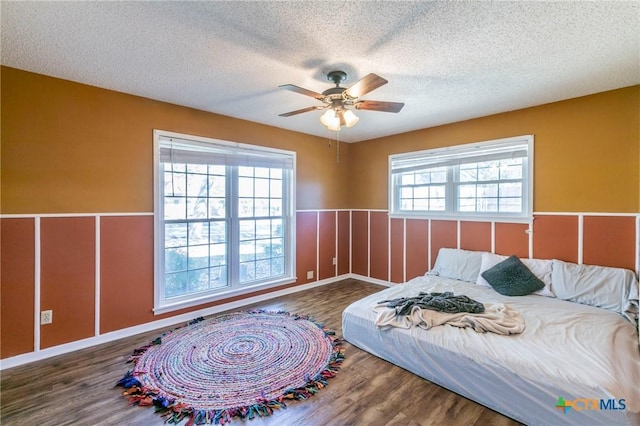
<point>379,106</point>
<point>365,85</point>
<point>302,91</point>
<point>300,111</point>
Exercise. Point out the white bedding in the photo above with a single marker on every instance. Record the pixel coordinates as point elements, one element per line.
<point>566,350</point>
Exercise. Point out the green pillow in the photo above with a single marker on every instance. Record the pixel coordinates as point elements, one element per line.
<point>511,277</point>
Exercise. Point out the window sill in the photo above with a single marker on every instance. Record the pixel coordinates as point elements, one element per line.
<point>222,295</point>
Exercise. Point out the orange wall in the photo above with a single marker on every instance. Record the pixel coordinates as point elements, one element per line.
<point>587,152</point>
<point>69,147</point>
<point>72,148</point>
<point>607,240</point>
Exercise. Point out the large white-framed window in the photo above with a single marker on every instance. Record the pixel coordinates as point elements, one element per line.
<point>224,219</point>
<point>482,180</point>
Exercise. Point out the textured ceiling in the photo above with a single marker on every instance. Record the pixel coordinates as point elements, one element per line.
<point>447,61</point>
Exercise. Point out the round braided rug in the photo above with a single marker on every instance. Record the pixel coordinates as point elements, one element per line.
<point>241,364</point>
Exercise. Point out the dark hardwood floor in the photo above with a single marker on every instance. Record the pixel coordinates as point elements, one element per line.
<point>78,388</point>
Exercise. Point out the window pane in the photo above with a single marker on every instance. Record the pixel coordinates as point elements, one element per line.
<point>276,247</point>
<point>424,177</point>
<point>217,170</point>
<point>196,208</point>
<point>245,208</point>
<point>487,205</point>
<point>488,170</point>
<point>276,227</point>
<point>511,169</point>
<point>421,191</point>
<point>247,230</point>
<point>263,269</point>
<point>175,260</point>
<point>437,191</point>
<point>276,173</point>
<point>261,188</point>
<point>262,207</point>
<point>275,189</point>
<point>439,175</point>
<point>510,204</point>
<point>197,185</point>
<point>217,186</point>
<point>175,284</point>
<point>406,192</point>
<point>263,228</point>
<point>421,204</point>
<point>175,184</point>
<point>217,208</point>
<point>277,266</point>
<point>467,191</point>
<point>406,204</point>
<point>247,250</point>
<point>263,249</point>
<point>217,232</point>
<point>217,254</point>
<point>245,187</point>
<point>437,204</point>
<point>198,256</point>
<point>198,280</point>
<point>247,271</point>
<point>488,190</point>
<point>275,207</point>
<point>407,178</point>
<point>468,173</point>
<point>245,171</point>
<point>198,233</point>
<point>510,189</point>
<point>175,208</point>
<point>218,277</point>
<point>467,204</point>
<point>175,234</point>
<point>261,172</point>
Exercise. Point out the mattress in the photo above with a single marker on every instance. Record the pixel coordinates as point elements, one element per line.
<point>567,350</point>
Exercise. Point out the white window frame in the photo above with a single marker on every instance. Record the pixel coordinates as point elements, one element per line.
<point>162,304</point>
<point>452,157</point>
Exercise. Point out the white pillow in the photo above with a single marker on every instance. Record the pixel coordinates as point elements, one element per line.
<point>457,264</point>
<point>541,268</point>
<point>615,289</point>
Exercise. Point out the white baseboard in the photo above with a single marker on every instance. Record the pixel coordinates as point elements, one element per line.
<point>154,325</point>
<point>371,280</point>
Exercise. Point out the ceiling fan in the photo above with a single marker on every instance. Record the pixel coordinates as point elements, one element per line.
<point>340,100</point>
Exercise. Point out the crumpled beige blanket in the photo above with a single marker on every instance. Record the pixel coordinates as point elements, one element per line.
<point>496,318</point>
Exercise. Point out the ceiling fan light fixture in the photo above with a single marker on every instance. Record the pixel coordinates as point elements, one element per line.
<point>328,117</point>
<point>350,118</point>
<point>331,120</point>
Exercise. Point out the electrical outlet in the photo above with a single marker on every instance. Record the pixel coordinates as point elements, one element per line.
<point>46,317</point>
<point>309,275</point>
<point>335,261</point>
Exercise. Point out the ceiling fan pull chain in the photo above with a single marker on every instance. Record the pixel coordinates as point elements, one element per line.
<point>338,147</point>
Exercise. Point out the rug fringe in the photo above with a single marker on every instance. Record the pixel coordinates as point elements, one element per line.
<point>175,412</point>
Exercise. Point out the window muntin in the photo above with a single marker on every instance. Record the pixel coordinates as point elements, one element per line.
<point>487,179</point>
<point>224,219</point>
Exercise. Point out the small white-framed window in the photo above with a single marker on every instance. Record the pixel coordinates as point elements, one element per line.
<point>224,219</point>
<point>487,180</point>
